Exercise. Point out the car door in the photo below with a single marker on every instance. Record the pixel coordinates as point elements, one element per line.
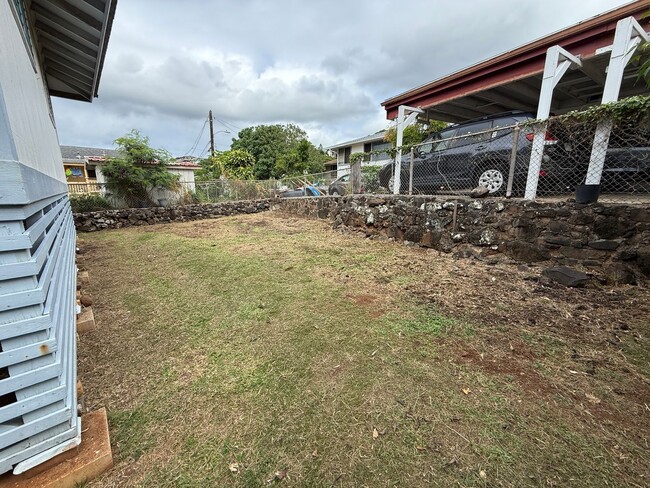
<point>426,178</point>
<point>456,167</point>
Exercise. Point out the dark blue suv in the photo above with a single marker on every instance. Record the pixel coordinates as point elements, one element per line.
<point>474,153</point>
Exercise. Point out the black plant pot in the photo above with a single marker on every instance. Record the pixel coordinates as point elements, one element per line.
<point>587,193</point>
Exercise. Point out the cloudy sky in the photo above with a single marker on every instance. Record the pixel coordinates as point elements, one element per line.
<point>325,65</point>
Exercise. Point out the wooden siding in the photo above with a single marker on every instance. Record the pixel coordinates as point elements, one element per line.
<point>38,405</point>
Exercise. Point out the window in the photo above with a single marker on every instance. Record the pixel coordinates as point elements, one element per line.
<point>464,135</point>
<point>380,149</point>
<point>20,12</point>
<point>438,142</point>
<point>346,155</point>
<point>499,123</point>
<point>367,147</point>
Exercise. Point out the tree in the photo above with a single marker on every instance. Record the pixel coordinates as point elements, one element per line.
<point>266,143</point>
<point>414,134</point>
<point>138,169</point>
<point>236,164</point>
<point>303,158</point>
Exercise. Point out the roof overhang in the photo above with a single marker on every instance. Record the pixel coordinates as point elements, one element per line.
<point>512,81</point>
<point>71,38</point>
<point>379,136</point>
<point>99,160</point>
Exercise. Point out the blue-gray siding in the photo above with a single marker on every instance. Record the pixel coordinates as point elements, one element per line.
<point>38,405</point>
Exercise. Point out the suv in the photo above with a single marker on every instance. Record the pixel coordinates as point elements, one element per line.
<point>475,153</point>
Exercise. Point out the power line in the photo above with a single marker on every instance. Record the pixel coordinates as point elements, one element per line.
<point>196,142</point>
<point>229,125</point>
<point>205,150</point>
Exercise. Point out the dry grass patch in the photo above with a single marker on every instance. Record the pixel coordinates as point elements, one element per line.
<point>230,350</point>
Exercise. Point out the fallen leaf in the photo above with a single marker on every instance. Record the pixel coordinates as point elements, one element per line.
<point>592,398</point>
<point>482,474</point>
<point>375,433</point>
<point>234,467</point>
<point>278,476</point>
<point>314,453</point>
<point>467,391</point>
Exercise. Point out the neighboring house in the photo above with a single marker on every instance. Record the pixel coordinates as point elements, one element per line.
<point>83,166</point>
<point>184,168</point>
<point>75,164</point>
<point>47,48</point>
<point>374,142</point>
<point>331,165</point>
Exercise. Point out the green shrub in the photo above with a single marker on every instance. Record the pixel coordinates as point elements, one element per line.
<point>370,178</point>
<point>89,202</point>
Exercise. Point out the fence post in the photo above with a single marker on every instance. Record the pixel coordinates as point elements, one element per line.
<point>513,160</point>
<point>411,173</point>
<point>402,121</point>
<point>557,62</point>
<point>628,36</point>
<point>356,176</point>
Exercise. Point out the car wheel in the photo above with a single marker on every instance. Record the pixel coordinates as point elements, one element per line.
<point>494,178</point>
<point>391,184</point>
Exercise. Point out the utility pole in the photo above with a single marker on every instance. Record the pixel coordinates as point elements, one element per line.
<point>211,135</point>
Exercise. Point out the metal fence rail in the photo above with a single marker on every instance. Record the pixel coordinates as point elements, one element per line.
<point>38,405</point>
<point>87,197</point>
<point>499,159</point>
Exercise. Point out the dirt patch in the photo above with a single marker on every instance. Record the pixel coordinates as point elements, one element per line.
<point>511,367</point>
<point>364,300</point>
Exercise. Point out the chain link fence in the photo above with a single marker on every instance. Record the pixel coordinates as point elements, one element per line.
<point>571,156</point>
<point>604,149</point>
<point>88,197</point>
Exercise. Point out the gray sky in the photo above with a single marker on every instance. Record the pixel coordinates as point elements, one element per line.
<point>324,65</point>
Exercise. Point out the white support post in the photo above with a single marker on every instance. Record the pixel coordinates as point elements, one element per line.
<point>627,38</point>
<point>402,121</point>
<point>558,61</point>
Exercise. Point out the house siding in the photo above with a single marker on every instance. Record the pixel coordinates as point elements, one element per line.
<point>343,169</point>
<point>28,111</point>
<point>38,417</point>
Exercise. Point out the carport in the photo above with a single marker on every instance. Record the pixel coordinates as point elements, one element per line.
<point>582,65</point>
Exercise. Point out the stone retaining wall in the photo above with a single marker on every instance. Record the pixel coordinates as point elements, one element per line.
<point>614,237</point>
<point>116,219</point>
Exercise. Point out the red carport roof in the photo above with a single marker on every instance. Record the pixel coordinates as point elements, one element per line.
<point>511,81</point>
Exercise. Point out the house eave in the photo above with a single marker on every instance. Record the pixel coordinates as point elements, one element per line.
<point>70,37</point>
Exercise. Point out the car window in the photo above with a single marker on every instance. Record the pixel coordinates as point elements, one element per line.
<point>345,179</point>
<point>438,142</point>
<point>505,125</point>
<point>464,135</point>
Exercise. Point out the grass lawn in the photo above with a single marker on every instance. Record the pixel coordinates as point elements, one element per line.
<point>264,349</point>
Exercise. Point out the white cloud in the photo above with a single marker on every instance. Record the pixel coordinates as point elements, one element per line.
<point>324,65</point>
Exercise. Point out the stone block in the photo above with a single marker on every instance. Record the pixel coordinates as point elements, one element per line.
<point>643,260</point>
<point>566,276</point>
<point>85,321</point>
<point>526,252</point>
<point>83,278</point>
<point>605,244</point>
